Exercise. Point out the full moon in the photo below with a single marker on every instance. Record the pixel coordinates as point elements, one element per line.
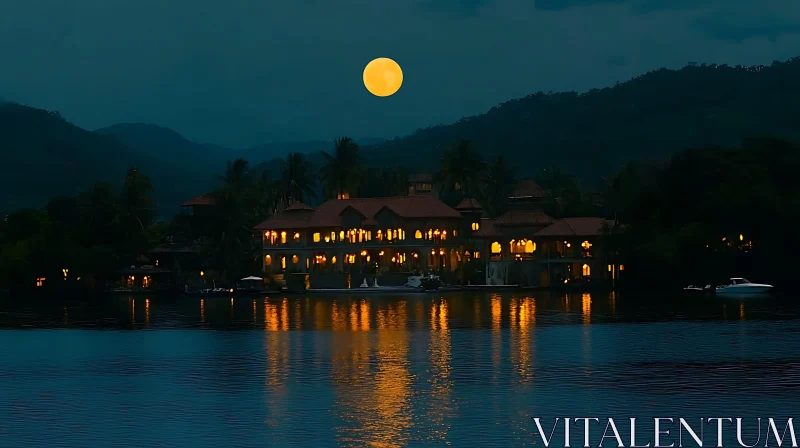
<point>383,77</point>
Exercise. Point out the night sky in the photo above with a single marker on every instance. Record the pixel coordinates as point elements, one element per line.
<point>244,72</point>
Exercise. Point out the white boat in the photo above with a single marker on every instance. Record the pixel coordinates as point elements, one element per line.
<point>742,286</point>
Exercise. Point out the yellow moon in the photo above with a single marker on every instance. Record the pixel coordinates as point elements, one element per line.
<point>383,77</point>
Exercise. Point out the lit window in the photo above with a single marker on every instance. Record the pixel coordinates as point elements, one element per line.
<point>496,249</point>
<point>530,247</point>
<point>444,234</point>
<point>609,268</point>
<point>476,226</point>
<point>333,236</point>
<point>418,235</point>
<point>379,235</point>
<point>622,267</point>
<point>283,262</point>
<point>476,254</point>
<point>296,237</point>
<point>455,232</point>
<point>283,237</point>
<point>327,239</point>
<point>40,281</point>
<point>586,270</point>
<point>586,245</point>
<point>156,263</point>
<point>316,237</point>
<point>333,259</point>
<point>341,235</point>
<point>268,260</point>
<point>295,259</point>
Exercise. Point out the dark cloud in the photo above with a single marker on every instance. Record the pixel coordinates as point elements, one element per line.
<point>638,6</point>
<point>469,8</point>
<point>741,30</point>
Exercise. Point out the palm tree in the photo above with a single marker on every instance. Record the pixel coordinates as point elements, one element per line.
<point>297,181</point>
<point>461,170</point>
<point>237,178</point>
<point>498,186</point>
<point>240,202</point>
<point>341,171</point>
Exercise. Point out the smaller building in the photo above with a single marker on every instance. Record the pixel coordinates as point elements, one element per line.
<point>199,206</point>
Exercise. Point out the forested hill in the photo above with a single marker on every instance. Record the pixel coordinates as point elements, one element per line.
<point>589,135</point>
<point>44,156</point>
<point>592,134</point>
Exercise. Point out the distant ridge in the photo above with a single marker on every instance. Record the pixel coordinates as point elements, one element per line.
<point>590,135</point>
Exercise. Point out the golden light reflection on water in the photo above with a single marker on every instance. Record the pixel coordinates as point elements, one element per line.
<point>338,317</point>
<point>497,337</point>
<point>270,316</point>
<point>441,407</point>
<point>612,299</point>
<point>393,381</point>
<point>364,315</point>
<point>276,342</point>
<point>147,311</point>
<point>351,373</point>
<point>133,310</point>
<point>741,311</point>
<point>586,308</point>
<point>202,310</point>
<point>255,311</point>
<point>285,314</point>
<point>512,313</point>
<point>523,314</point>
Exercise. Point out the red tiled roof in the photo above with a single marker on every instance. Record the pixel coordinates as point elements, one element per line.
<point>206,199</point>
<point>468,204</point>
<point>576,227</point>
<point>329,213</point>
<point>527,189</point>
<point>524,218</point>
<point>487,230</point>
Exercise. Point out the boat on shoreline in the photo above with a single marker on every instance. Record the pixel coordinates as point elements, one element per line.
<point>737,287</point>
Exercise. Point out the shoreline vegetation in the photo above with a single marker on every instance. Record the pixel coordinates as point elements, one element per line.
<point>706,212</point>
<point>697,166</point>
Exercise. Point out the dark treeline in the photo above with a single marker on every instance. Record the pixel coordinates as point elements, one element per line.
<point>704,213</point>
<point>82,239</point>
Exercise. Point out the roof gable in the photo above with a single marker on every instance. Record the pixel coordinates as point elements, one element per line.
<point>524,218</point>
<point>205,199</point>
<point>575,227</point>
<point>329,214</point>
<point>527,189</point>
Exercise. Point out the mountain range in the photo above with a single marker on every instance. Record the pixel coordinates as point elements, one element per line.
<point>589,135</point>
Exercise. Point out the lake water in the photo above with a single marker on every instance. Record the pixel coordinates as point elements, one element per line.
<point>456,369</point>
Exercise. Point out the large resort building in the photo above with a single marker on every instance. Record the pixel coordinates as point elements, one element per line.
<point>375,236</point>
<point>345,242</point>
